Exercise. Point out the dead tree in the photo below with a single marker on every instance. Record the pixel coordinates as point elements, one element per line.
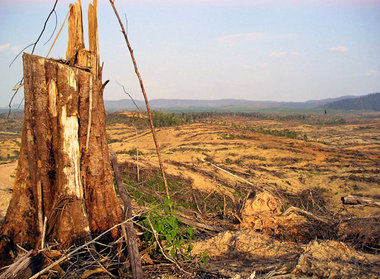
<point>64,174</point>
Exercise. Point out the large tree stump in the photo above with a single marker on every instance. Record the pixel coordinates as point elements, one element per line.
<point>64,173</point>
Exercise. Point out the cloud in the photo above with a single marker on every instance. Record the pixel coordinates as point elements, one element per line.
<point>372,73</point>
<point>282,53</point>
<point>234,39</point>
<point>9,48</point>
<point>338,49</point>
<point>4,47</point>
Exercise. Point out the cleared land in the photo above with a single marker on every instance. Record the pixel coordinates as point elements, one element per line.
<point>272,183</point>
<point>266,185</point>
<point>339,158</point>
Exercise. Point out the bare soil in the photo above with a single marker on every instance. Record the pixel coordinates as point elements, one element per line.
<point>224,163</point>
<point>7,174</point>
<point>341,159</point>
<point>312,172</point>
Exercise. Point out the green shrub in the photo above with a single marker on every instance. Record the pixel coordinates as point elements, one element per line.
<point>172,235</point>
<point>162,119</point>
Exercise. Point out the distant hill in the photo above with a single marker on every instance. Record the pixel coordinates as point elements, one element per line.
<point>216,105</point>
<point>368,102</point>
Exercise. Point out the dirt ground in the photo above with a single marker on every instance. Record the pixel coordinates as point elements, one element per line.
<point>228,157</point>
<point>7,174</point>
<point>232,159</point>
<point>341,159</point>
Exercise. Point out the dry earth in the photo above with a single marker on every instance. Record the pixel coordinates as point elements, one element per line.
<point>7,173</point>
<point>342,159</point>
<point>330,162</point>
<point>226,157</point>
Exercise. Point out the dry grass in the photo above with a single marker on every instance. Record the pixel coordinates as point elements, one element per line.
<point>339,167</point>
<point>311,173</point>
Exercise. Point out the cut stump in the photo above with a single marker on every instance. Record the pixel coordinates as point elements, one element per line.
<point>64,172</point>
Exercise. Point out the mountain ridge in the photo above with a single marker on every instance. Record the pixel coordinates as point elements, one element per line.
<point>220,104</point>
<point>367,102</point>
<point>348,102</point>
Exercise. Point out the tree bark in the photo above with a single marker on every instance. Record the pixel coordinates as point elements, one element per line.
<point>54,164</point>
<point>64,170</point>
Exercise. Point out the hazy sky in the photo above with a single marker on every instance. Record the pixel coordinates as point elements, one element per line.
<point>282,50</point>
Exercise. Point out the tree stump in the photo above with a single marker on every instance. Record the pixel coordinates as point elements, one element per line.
<point>64,174</point>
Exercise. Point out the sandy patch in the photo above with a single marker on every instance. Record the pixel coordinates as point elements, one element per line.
<point>7,174</point>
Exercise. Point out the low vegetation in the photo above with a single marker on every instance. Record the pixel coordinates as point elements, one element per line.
<point>222,167</point>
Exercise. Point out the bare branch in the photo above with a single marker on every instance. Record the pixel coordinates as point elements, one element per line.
<point>133,250</point>
<point>129,96</point>
<point>145,98</point>
<point>55,28</point>
<point>34,47</point>
<point>39,36</point>
<point>63,258</point>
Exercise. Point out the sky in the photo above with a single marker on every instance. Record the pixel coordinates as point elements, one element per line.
<point>279,50</point>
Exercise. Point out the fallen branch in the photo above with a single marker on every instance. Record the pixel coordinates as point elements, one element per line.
<point>19,267</point>
<point>91,272</point>
<point>230,173</point>
<point>6,189</point>
<point>65,257</point>
<point>188,221</point>
<point>357,200</point>
<point>307,213</point>
<point>128,232</point>
<point>361,218</point>
<point>103,269</point>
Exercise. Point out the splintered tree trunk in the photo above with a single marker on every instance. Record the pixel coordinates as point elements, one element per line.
<point>63,173</point>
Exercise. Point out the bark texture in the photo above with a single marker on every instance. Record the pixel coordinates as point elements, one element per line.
<point>57,176</point>
<point>64,171</point>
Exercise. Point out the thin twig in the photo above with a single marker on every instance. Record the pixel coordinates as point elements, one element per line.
<point>17,87</point>
<point>19,105</point>
<point>307,213</point>
<point>34,46</point>
<point>185,219</point>
<point>145,98</point>
<point>129,95</point>
<point>55,28</point>
<point>226,171</point>
<point>43,234</point>
<point>39,36</point>
<point>77,249</point>
<point>43,29</point>
<point>99,263</point>
<point>59,32</point>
